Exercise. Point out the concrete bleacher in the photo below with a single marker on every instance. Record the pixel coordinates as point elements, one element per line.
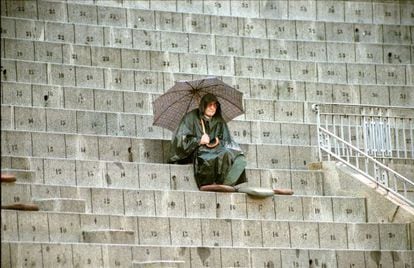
<point>78,78</point>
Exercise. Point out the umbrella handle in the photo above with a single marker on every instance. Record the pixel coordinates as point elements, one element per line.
<point>217,141</point>
<point>212,145</point>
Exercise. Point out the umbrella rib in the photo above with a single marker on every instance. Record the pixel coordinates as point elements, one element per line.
<point>189,103</point>
<point>189,85</point>
<point>193,88</point>
<point>235,105</point>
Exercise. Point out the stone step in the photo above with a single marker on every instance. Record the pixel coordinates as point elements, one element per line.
<point>61,204</point>
<point>189,15</point>
<point>125,103</point>
<point>158,264</point>
<point>323,51</point>
<point>20,206</point>
<point>140,125</point>
<point>17,72</point>
<point>162,203</point>
<point>96,147</point>
<point>276,90</point>
<point>216,35</point>
<point>16,254</point>
<point>61,227</point>
<point>158,176</point>
<point>241,66</point>
<point>7,177</point>
<point>109,236</point>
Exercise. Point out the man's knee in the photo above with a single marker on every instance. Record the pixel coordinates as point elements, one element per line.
<point>240,161</point>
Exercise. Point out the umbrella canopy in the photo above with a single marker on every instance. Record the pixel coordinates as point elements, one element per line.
<point>185,96</point>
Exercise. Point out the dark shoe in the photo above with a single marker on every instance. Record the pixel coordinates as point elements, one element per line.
<point>8,178</point>
<point>283,191</point>
<point>218,188</point>
<point>21,206</point>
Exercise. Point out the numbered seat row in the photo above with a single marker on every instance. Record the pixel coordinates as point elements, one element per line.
<point>59,49</point>
<point>171,231</point>
<point>71,121</point>
<point>125,105</point>
<point>122,107</point>
<point>55,96</point>
<point>239,67</point>
<point>81,254</point>
<point>129,103</point>
<point>259,16</point>
<point>187,204</point>
<point>349,127</point>
<point>127,175</point>
<point>95,147</point>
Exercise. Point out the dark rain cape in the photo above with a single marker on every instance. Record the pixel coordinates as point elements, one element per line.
<point>211,165</point>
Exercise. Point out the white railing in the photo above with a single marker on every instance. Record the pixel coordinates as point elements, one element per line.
<point>354,139</point>
<point>377,131</point>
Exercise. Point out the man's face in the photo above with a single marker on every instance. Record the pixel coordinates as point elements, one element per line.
<point>211,109</point>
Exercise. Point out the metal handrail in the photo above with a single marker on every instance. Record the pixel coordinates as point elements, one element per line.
<point>377,166</point>
<point>336,147</point>
<point>379,116</point>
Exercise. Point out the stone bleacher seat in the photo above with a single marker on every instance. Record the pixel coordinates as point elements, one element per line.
<point>78,79</point>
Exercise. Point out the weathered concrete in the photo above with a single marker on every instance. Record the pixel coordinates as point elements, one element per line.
<point>340,180</point>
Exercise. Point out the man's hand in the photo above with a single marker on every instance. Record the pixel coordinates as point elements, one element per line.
<point>205,139</point>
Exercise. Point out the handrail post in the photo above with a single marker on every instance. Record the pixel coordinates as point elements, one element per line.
<point>411,137</point>
<point>315,108</point>
<point>397,143</point>
<point>404,139</point>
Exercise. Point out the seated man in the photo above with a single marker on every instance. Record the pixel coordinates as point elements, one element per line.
<point>204,139</point>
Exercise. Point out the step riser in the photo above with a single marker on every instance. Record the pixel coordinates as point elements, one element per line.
<point>194,204</point>
<point>58,227</point>
<point>77,206</point>
<point>24,176</point>
<point>49,119</point>
<point>160,264</point>
<point>157,176</point>
<point>125,255</point>
<point>143,150</point>
<point>105,237</point>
